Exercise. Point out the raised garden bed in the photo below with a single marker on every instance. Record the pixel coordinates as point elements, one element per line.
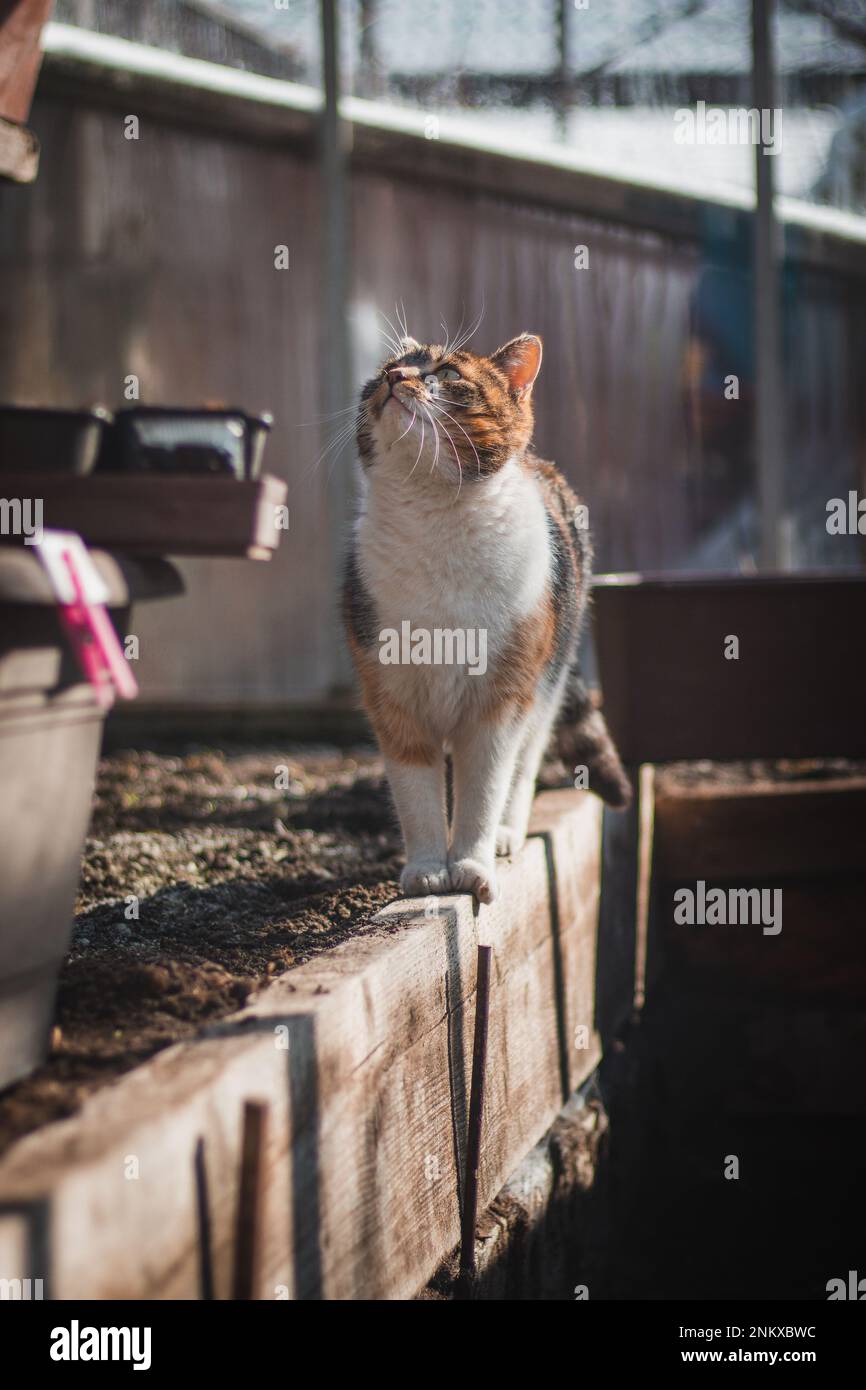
<point>375,1071</point>
<point>241,882</point>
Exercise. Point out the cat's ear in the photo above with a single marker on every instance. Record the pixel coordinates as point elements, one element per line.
<point>519,360</point>
<point>409,344</point>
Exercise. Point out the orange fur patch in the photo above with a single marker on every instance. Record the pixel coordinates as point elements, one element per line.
<point>398,733</point>
<point>512,685</point>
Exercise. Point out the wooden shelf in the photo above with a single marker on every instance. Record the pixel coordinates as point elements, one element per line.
<point>150,514</point>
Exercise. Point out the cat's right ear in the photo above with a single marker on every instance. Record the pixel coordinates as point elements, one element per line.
<point>409,344</point>
<point>519,360</point>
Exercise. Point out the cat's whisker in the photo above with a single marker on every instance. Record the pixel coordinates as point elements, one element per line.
<point>399,348</point>
<point>449,347</point>
<point>460,427</point>
<point>453,445</point>
<point>436,435</point>
<point>327,416</point>
<point>333,446</point>
<point>457,458</point>
<point>407,429</point>
<point>461,343</point>
<point>393,349</point>
<point>420,450</point>
<point>338,442</point>
<point>392,339</point>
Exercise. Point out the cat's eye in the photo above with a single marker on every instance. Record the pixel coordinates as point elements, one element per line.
<point>448,374</point>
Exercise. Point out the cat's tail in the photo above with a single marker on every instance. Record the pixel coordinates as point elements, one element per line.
<point>583,740</point>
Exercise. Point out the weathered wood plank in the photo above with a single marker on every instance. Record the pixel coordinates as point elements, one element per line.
<point>368,1100</point>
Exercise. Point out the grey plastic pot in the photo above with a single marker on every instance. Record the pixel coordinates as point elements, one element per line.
<point>50,732</point>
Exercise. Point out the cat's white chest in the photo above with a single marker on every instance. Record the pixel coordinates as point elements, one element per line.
<point>471,569</point>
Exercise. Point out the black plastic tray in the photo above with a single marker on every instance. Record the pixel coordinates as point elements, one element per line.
<point>44,439</point>
<point>184,440</point>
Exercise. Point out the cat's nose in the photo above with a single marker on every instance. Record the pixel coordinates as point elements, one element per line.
<point>398,374</point>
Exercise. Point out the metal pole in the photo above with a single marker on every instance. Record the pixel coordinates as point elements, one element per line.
<point>767,331</point>
<point>336,372</point>
<point>476,1117</point>
<point>561,101</point>
<point>371,72</point>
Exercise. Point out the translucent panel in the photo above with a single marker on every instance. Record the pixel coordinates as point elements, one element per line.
<point>821,46</point>
<point>277,38</point>
<point>601,81</point>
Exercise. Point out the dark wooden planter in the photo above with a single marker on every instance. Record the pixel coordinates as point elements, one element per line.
<point>50,728</point>
<point>796,690</point>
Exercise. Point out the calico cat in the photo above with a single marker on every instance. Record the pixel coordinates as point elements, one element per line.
<point>464,594</point>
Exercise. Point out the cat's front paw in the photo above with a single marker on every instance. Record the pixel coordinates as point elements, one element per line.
<point>423,876</point>
<point>509,841</point>
<point>476,877</point>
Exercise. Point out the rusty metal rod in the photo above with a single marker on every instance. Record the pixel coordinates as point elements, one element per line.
<point>476,1114</point>
<point>248,1230</point>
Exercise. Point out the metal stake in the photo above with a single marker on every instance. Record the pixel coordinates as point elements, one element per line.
<point>476,1116</point>
<point>245,1279</point>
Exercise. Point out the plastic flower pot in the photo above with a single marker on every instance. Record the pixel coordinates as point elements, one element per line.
<point>50,733</point>
<point>42,439</point>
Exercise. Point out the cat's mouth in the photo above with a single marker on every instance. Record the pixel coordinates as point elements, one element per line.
<point>401,404</point>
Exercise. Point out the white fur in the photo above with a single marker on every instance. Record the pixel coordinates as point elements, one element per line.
<point>446,552</point>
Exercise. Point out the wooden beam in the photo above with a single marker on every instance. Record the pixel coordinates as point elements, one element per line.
<point>363,1056</point>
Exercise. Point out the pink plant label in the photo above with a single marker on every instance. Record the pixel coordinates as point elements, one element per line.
<point>81,595</point>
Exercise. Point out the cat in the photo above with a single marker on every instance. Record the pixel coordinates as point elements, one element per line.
<point>466,542</point>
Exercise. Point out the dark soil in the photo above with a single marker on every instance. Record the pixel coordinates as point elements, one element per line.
<point>204,876</point>
<point>711,776</point>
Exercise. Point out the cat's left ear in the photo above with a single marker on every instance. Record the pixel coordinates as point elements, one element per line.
<point>519,360</point>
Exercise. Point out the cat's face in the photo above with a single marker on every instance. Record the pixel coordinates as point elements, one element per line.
<point>455,414</point>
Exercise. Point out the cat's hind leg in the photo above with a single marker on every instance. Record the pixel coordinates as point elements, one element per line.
<point>511,832</point>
